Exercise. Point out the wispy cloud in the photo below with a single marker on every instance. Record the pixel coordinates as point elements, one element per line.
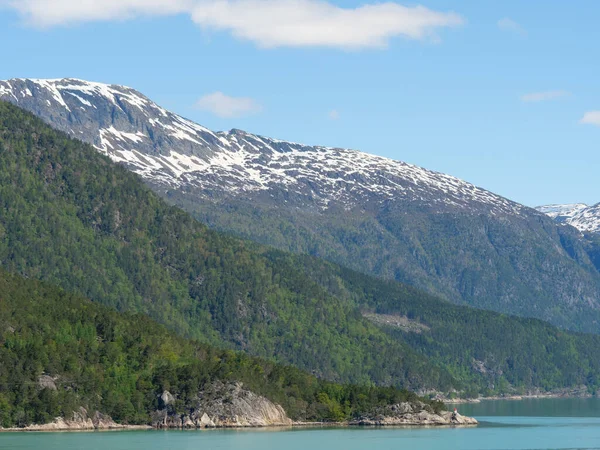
<point>507,24</point>
<point>543,96</point>
<point>591,118</point>
<point>266,23</point>
<point>224,106</point>
<point>334,114</point>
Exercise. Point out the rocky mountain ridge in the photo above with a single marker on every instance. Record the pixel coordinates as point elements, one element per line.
<point>167,149</point>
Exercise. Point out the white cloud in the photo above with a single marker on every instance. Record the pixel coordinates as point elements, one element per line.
<point>507,24</point>
<point>224,106</point>
<point>49,13</point>
<point>334,114</point>
<point>314,23</point>
<point>267,23</point>
<point>542,96</point>
<point>591,118</point>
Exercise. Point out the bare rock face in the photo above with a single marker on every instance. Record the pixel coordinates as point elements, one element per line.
<point>223,406</point>
<point>457,419</point>
<point>80,420</point>
<point>167,398</point>
<point>206,422</point>
<point>231,405</point>
<point>104,422</point>
<point>412,414</point>
<point>47,382</point>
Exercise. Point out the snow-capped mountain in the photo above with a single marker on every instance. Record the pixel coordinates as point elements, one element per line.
<point>561,213</point>
<point>168,150</point>
<point>583,217</point>
<point>370,213</point>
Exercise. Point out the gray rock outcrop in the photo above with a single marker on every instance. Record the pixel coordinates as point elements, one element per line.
<point>47,382</point>
<point>412,414</point>
<point>224,406</point>
<point>80,420</point>
<point>167,398</point>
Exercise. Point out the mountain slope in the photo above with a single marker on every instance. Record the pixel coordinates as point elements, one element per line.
<point>166,148</point>
<point>500,351</point>
<point>372,214</point>
<point>581,216</point>
<point>60,352</point>
<point>170,150</point>
<point>71,217</point>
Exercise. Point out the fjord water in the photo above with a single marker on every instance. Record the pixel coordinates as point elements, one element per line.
<point>505,425</point>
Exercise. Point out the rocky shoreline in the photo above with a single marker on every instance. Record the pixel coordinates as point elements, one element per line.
<point>81,421</point>
<point>61,425</point>
<point>229,405</point>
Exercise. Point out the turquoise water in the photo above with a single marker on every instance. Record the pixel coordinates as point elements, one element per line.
<point>533,424</point>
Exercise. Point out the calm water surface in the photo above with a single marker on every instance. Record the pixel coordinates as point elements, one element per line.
<point>505,425</point>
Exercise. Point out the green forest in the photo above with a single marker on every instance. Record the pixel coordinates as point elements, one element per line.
<point>487,351</point>
<point>520,264</point>
<point>72,218</point>
<point>120,364</point>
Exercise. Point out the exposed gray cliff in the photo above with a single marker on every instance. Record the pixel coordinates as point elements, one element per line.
<point>221,405</point>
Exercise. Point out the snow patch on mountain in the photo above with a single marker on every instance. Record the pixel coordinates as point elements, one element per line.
<point>587,220</point>
<point>562,211</point>
<point>583,217</point>
<point>169,150</point>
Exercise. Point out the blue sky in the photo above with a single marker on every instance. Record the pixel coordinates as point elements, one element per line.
<point>493,92</point>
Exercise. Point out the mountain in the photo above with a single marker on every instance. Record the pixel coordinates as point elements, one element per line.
<point>561,213</point>
<point>373,214</point>
<point>581,216</point>
<point>60,353</point>
<point>71,217</point>
<point>171,151</point>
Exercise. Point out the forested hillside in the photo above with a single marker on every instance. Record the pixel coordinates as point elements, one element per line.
<point>489,352</point>
<point>376,215</point>
<point>521,264</point>
<point>71,217</point>
<point>59,352</point>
